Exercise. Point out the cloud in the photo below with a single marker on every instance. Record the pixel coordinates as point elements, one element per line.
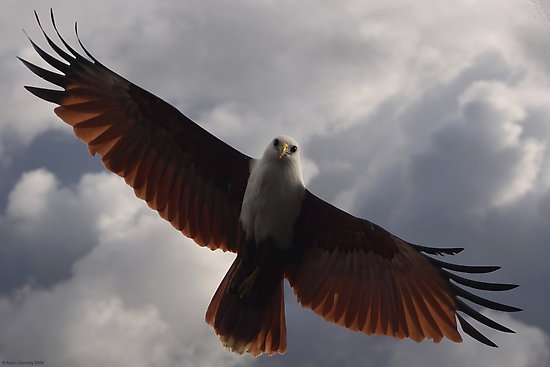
<point>137,298</point>
<point>543,8</point>
<point>477,159</point>
<point>430,119</point>
<point>19,125</point>
<point>45,229</point>
<point>464,164</point>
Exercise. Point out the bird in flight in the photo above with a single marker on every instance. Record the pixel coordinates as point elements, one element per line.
<point>346,269</point>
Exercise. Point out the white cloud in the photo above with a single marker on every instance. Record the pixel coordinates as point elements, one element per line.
<point>543,8</point>
<point>138,298</point>
<point>29,198</point>
<point>49,226</point>
<point>107,332</point>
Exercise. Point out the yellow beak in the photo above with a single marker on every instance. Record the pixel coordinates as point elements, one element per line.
<point>283,150</point>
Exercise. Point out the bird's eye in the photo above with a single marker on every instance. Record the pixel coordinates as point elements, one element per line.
<point>276,142</point>
<point>294,149</point>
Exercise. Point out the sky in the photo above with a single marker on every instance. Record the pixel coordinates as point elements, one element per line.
<point>432,120</point>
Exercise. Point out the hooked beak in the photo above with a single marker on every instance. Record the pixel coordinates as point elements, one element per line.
<point>283,150</point>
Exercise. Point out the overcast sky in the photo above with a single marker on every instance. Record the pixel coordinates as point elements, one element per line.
<point>432,119</point>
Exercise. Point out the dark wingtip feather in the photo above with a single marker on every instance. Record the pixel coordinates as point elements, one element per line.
<point>47,75</point>
<point>39,22</point>
<point>52,18</point>
<point>484,286</point>
<point>465,308</point>
<point>52,44</point>
<point>49,58</point>
<point>463,268</point>
<point>82,45</point>
<point>462,306</point>
<point>65,43</point>
<point>474,333</point>
<point>438,251</point>
<point>50,95</point>
<point>482,301</point>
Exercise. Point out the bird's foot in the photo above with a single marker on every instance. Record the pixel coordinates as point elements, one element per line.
<point>246,286</point>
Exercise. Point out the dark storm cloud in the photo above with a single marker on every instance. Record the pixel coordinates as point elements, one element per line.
<point>475,174</point>
<point>44,231</point>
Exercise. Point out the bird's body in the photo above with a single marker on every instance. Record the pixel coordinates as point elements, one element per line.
<point>273,196</point>
<point>252,293</point>
<point>346,269</point>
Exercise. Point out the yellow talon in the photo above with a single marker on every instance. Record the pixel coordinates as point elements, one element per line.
<point>248,283</point>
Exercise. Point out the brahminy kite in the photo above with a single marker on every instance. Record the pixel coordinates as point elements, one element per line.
<point>346,269</point>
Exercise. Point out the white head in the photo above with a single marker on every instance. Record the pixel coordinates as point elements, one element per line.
<point>284,149</point>
<point>283,155</point>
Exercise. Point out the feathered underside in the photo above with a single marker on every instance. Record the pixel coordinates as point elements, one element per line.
<point>194,180</point>
<point>358,275</point>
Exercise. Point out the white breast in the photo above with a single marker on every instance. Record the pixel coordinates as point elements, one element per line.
<point>272,202</point>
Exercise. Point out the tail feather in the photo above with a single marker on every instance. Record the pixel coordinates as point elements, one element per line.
<point>250,325</point>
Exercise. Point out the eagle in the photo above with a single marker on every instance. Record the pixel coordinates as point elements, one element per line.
<point>346,269</point>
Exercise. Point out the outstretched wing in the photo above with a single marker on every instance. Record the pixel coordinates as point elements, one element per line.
<point>358,275</point>
<point>194,180</point>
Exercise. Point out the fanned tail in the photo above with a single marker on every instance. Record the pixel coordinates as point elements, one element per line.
<point>254,324</point>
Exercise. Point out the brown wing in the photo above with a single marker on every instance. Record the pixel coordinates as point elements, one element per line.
<point>194,180</point>
<point>358,275</point>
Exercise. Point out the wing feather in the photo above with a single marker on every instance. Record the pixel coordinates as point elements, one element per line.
<point>193,202</point>
<point>172,207</point>
<point>155,177</point>
<point>366,298</point>
<point>413,321</point>
<point>349,303</point>
<point>161,194</point>
<point>194,180</point>
<point>397,313</point>
<point>372,321</point>
<point>358,275</point>
<point>404,303</point>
